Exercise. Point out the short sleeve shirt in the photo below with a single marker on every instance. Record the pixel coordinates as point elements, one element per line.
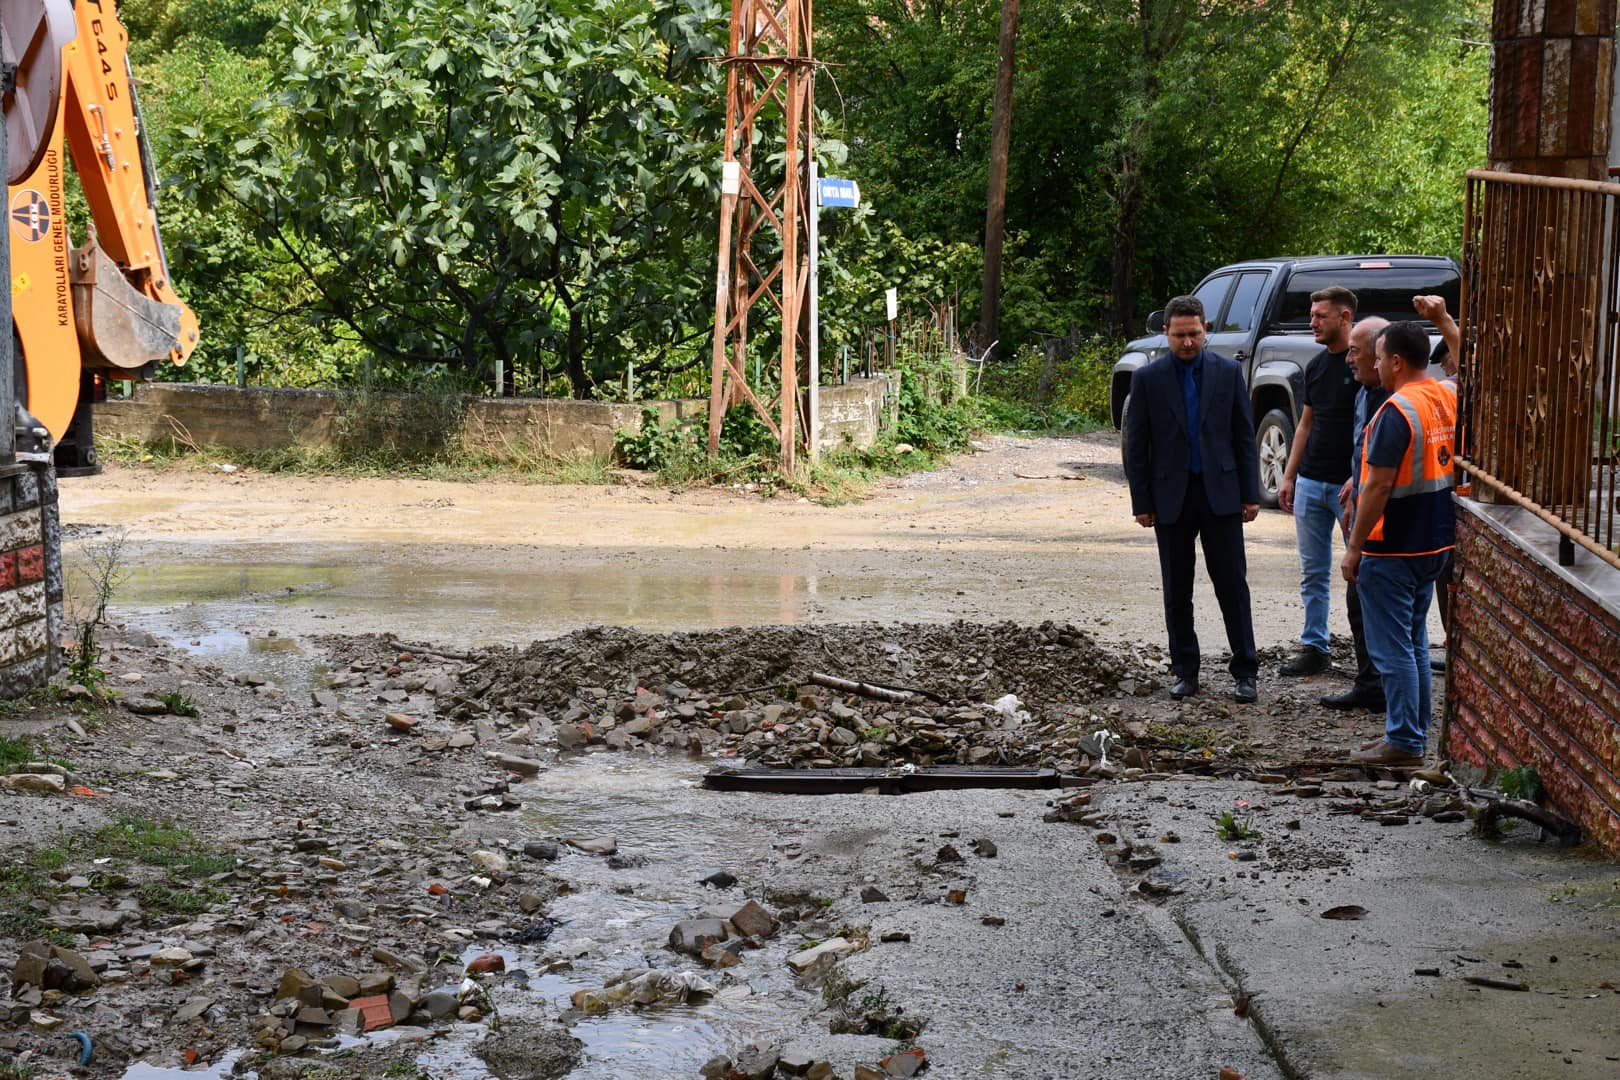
<point>1330,391</point>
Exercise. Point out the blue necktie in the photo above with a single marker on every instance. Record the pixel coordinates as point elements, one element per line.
<point>1189,391</point>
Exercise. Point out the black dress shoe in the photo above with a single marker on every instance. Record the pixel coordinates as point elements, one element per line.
<point>1245,691</point>
<point>1184,688</point>
<point>1306,660</point>
<point>1355,698</point>
<point>1437,663</point>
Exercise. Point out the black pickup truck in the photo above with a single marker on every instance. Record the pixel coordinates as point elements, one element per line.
<point>1259,315</point>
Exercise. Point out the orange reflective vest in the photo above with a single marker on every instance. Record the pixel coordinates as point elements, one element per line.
<point>1427,471</point>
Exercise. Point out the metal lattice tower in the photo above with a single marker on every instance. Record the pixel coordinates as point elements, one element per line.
<point>770,76</point>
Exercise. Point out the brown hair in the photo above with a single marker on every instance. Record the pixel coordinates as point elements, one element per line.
<point>1338,296</point>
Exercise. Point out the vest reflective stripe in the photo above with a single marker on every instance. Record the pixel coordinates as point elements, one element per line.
<point>1429,406</point>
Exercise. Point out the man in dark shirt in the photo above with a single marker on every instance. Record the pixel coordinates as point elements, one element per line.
<point>1318,465</point>
<point>1367,692</point>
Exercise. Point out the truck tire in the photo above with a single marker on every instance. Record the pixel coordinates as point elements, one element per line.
<point>1273,437</point>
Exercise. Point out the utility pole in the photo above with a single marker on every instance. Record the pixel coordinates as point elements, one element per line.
<point>995,214</point>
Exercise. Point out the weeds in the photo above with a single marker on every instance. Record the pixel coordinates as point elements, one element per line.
<point>1228,827</point>
<point>1183,736</point>
<point>179,705</point>
<point>27,878</point>
<point>102,575</point>
<point>1522,783</point>
<point>22,750</point>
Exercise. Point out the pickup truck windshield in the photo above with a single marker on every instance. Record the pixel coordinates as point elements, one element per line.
<point>1380,290</point>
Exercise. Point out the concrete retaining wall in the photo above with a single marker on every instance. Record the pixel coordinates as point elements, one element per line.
<point>30,578</point>
<point>1535,664</point>
<point>254,418</point>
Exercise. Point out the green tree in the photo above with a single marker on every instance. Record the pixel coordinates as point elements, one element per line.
<point>464,184</point>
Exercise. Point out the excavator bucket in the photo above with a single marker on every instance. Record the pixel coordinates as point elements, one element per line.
<point>119,327</point>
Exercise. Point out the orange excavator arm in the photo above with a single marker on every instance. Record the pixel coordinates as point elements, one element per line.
<point>110,304</point>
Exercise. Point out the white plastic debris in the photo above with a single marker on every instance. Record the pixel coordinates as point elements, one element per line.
<point>1097,743</point>
<point>1010,709</point>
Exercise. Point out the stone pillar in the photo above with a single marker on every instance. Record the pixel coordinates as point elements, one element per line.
<point>31,617</point>
<point>1552,87</point>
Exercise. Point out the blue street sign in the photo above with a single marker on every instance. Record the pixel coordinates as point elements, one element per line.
<point>836,192</point>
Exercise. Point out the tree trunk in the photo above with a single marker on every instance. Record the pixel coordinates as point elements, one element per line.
<point>995,215</point>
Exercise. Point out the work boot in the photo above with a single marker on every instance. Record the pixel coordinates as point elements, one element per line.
<point>1185,687</point>
<point>1356,697</point>
<point>1383,753</point>
<point>1307,660</point>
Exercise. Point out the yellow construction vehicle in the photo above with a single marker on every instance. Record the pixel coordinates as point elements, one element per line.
<point>106,309</point>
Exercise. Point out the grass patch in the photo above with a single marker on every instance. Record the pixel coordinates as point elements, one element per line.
<point>1228,827</point>
<point>26,878</point>
<point>517,462</point>
<point>23,749</point>
<point>1184,736</point>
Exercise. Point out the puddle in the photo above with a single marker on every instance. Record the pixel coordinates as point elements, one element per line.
<point>217,1071</point>
<point>466,597</point>
<point>657,813</point>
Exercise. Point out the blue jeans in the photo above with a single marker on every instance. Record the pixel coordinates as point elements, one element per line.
<point>1316,519</point>
<point>1395,592</point>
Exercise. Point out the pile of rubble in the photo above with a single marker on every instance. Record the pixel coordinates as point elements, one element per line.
<point>960,693</point>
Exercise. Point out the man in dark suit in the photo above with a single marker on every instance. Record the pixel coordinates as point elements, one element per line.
<point>1194,474</point>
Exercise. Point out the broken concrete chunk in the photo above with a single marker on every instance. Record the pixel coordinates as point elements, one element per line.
<point>837,946</point>
<point>694,935</point>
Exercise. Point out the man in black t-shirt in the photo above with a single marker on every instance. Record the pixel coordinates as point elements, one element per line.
<point>1318,465</point>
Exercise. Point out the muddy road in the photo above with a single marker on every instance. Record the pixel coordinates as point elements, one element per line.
<point>1031,529</point>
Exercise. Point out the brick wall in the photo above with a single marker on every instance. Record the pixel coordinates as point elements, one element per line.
<point>30,578</point>
<point>1535,675</point>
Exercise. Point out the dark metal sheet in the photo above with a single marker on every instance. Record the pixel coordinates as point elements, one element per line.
<point>845,781</point>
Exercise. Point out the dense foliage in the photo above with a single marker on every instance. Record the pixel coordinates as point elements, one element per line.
<point>436,191</point>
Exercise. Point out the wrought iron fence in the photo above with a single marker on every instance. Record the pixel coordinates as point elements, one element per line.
<point>1540,392</point>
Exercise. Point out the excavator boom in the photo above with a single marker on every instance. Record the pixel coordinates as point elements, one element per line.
<point>108,306</point>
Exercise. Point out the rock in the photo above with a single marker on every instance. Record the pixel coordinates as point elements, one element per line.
<point>44,1020</point>
<point>544,850</point>
<point>41,783</point>
<point>529,903</point>
<point>905,1063</point>
<point>487,964</point>
<point>296,984</point>
<point>595,845</point>
<point>842,736</point>
<point>375,983</point>
<point>31,963</point>
<point>515,764</point>
<point>821,1070</point>
<point>292,1044</point>
<point>694,935</point>
<point>871,894</point>
<point>145,706</point>
<point>721,954</point>
<point>573,736</point>
<point>756,1063</point>
<point>77,974</point>
<point>794,1062</point>
<point>88,920</point>
<point>399,722</point>
<point>531,1052</point>
<point>440,1004</point>
<point>715,1069</point>
<point>720,879</point>
<point>984,849</point>
<point>400,963</point>
<point>891,937</point>
<point>193,1010</point>
<point>753,921</point>
<point>343,986</point>
<point>460,740</point>
<point>314,1016</point>
<point>870,1072</point>
<point>837,946</point>
<point>493,861</point>
<point>324,699</point>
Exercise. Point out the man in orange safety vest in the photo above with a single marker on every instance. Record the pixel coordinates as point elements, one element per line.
<point>1405,526</point>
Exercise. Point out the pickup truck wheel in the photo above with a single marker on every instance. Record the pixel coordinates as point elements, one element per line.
<point>1273,437</point>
